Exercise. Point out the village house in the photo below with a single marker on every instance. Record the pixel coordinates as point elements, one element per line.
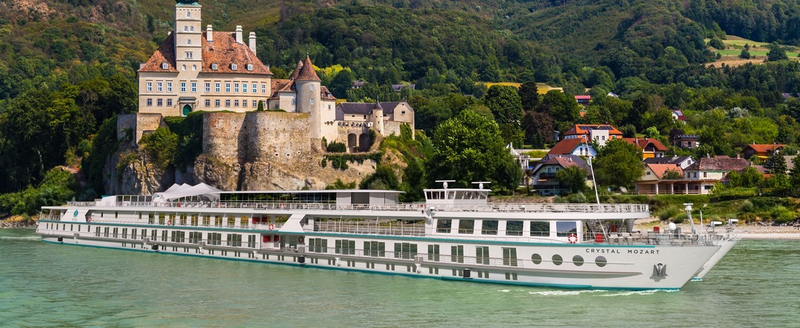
<point>573,146</point>
<point>698,178</point>
<point>543,176</point>
<point>656,179</point>
<point>650,147</point>
<point>763,151</point>
<point>680,161</point>
<point>384,117</point>
<point>598,133</point>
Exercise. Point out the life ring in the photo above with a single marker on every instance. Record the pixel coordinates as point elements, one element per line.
<point>271,226</point>
<point>283,206</point>
<point>89,219</point>
<point>169,222</point>
<point>301,240</point>
<point>572,238</point>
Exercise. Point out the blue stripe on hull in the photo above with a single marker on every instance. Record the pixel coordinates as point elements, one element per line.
<point>315,266</point>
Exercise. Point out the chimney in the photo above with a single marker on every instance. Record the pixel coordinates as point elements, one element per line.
<point>239,34</point>
<point>253,41</point>
<point>209,33</point>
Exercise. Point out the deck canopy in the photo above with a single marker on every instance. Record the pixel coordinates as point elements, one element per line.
<point>200,191</point>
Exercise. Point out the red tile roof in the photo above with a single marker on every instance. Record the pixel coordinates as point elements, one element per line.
<point>764,148</point>
<point>224,51</point>
<point>719,163</point>
<point>566,146</point>
<point>307,72</point>
<point>643,142</point>
<point>583,129</point>
<point>660,169</point>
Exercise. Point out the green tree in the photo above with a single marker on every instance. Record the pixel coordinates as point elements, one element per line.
<point>160,146</point>
<point>717,43</point>
<point>776,163</point>
<point>748,178</point>
<point>260,107</point>
<point>469,148</point>
<point>383,179</point>
<point>776,52</point>
<point>672,175</point>
<point>565,110</point>
<point>619,164</point>
<point>745,54</point>
<point>529,95</point>
<point>505,103</point>
<point>573,177</point>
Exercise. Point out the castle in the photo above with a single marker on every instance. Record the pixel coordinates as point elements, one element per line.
<point>195,70</point>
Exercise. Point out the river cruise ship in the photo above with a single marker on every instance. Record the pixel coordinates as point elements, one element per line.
<point>456,234</point>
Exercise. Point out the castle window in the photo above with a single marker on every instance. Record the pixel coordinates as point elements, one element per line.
<point>183,86</point>
<point>233,67</point>
<point>244,87</point>
<point>164,65</point>
<point>227,87</point>
<point>191,29</point>
<point>194,86</point>
<point>236,103</point>
<point>249,67</point>
<point>159,86</point>
<point>216,103</point>
<point>159,102</point>
<point>188,56</point>
<point>311,87</point>
<point>214,66</point>
<point>403,112</point>
<point>216,87</point>
<point>188,13</point>
<point>149,86</point>
<point>254,87</point>
<point>186,29</point>
<point>244,103</point>
<point>169,102</point>
<point>312,101</point>
<point>194,67</point>
<point>227,103</point>
<point>263,88</point>
<point>208,102</point>
<point>236,87</point>
<point>189,41</point>
<point>255,103</point>
<point>169,86</point>
<point>183,67</point>
<point>208,87</point>
<point>149,102</point>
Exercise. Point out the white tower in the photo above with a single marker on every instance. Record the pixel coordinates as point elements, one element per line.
<point>308,86</point>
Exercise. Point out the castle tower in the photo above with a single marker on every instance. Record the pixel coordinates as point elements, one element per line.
<point>188,47</point>
<point>377,117</point>
<point>308,86</point>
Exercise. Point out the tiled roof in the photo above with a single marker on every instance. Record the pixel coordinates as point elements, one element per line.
<point>566,146</point>
<point>296,71</point>
<point>719,163</point>
<point>585,128</point>
<point>223,52</point>
<point>563,161</point>
<point>764,148</point>
<point>674,160</point>
<point>366,108</point>
<point>660,169</point>
<point>325,94</point>
<point>643,142</point>
<point>307,72</point>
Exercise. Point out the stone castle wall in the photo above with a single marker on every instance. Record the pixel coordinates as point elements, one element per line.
<point>138,125</point>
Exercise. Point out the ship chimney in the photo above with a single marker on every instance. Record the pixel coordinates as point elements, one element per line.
<point>239,34</point>
<point>209,33</point>
<point>253,42</point>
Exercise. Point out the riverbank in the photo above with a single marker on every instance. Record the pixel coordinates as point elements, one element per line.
<point>751,232</point>
<point>17,222</point>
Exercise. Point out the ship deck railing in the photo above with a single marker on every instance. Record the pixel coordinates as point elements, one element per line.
<point>370,228</point>
<point>490,207</point>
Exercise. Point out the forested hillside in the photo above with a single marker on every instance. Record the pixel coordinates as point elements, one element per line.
<point>66,66</point>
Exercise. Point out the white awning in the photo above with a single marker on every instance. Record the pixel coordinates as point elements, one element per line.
<point>177,191</point>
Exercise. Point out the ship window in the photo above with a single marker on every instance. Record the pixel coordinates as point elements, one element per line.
<point>564,229</point>
<point>405,250</point>
<point>577,260</point>
<point>433,253</point>
<point>489,227</point>
<point>514,228</point>
<point>509,256</point>
<point>536,259</point>
<point>457,254</point>
<point>482,255</point>
<point>600,261</point>
<point>345,246</point>
<point>374,248</point>
<point>466,226</point>
<point>557,260</point>
<point>540,229</point>
<point>443,225</point>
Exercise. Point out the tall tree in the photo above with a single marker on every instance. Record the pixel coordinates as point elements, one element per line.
<point>468,148</point>
<point>619,164</point>
<point>573,177</point>
<point>505,103</point>
<point>529,94</point>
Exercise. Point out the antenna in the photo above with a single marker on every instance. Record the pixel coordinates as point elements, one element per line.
<point>444,182</point>
<point>480,183</point>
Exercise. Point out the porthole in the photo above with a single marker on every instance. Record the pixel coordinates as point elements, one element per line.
<point>536,258</point>
<point>557,260</point>
<point>600,261</point>
<point>577,260</point>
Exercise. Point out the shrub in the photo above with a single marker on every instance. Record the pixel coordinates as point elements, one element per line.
<point>336,147</point>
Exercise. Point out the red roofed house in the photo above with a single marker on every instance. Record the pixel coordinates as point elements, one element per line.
<point>707,171</point>
<point>763,151</point>
<point>583,99</point>
<point>653,180</point>
<point>650,147</point>
<point>196,70</point>
<point>544,173</point>
<point>574,146</point>
<point>599,133</point>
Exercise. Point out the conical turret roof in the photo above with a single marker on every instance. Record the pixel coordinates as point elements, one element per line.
<point>307,72</point>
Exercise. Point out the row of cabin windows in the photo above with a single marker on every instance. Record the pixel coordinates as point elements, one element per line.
<point>236,87</point>
<point>513,228</point>
<point>409,251</point>
<point>194,237</point>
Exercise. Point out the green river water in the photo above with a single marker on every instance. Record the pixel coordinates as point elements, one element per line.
<point>48,285</point>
